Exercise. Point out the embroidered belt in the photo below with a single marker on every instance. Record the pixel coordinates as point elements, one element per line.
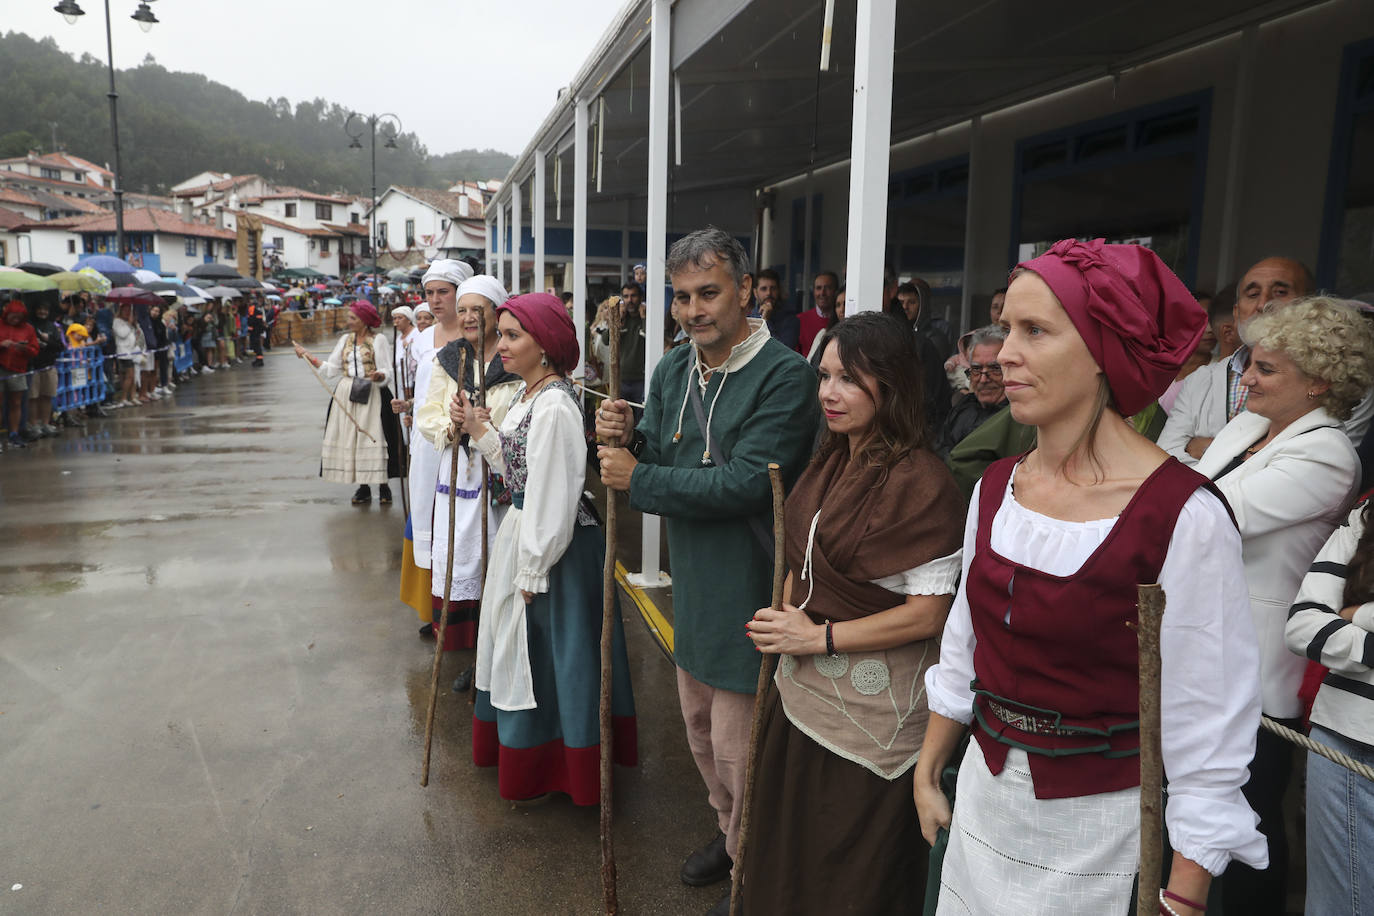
<point>1028,723</point>
<point>461,494</point>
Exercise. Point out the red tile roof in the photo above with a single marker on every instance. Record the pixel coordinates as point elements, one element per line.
<point>151,219</point>
<point>9,219</point>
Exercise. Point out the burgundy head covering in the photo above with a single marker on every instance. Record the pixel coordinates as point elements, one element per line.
<point>1139,321</point>
<point>366,312</point>
<point>544,318</point>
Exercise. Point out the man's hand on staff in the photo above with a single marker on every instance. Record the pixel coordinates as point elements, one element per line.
<point>617,467</point>
<point>399,405</point>
<point>614,423</point>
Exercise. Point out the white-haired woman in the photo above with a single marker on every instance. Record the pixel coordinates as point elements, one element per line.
<point>1290,474</point>
<point>456,366</point>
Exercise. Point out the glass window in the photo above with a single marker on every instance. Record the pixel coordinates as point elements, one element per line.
<point>324,245</point>
<point>290,211</point>
<point>228,249</point>
<point>190,247</point>
<point>382,235</point>
<point>71,246</point>
<point>278,242</point>
<point>410,233</point>
<point>324,211</point>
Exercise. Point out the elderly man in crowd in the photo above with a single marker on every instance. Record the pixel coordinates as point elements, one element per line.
<point>1213,395</point>
<point>719,410</point>
<point>987,393</point>
<point>814,321</point>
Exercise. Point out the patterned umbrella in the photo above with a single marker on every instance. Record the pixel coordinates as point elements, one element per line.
<point>84,282</point>
<point>102,282</point>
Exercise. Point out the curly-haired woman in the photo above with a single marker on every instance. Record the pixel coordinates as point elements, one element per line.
<point>1289,473</point>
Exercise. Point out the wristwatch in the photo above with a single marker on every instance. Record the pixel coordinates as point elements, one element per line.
<point>637,442</point>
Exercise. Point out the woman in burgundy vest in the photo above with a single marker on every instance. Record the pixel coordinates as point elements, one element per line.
<point>873,548</point>
<point>1037,658</point>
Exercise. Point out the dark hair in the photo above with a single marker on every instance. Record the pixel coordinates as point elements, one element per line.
<point>634,286</point>
<point>567,296</point>
<point>708,246</point>
<point>1000,289</point>
<point>769,273</point>
<point>1359,570</point>
<point>884,349</point>
<point>908,288</point>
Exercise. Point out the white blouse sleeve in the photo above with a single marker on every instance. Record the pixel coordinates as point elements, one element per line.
<point>947,683</point>
<point>431,417</point>
<point>381,354</point>
<point>557,470</point>
<point>1210,695</point>
<point>333,368</point>
<point>937,577</point>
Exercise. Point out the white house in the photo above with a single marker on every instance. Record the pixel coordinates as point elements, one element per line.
<point>52,241</point>
<point>158,240</point>
<point>226,191</point>
<point>60,166</point>
<point>330,248</point>
<point>415,225</point>
<point>302,209</point>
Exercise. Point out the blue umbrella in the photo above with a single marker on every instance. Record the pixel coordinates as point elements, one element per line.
<point>105,264</point>
<point>331,301</point>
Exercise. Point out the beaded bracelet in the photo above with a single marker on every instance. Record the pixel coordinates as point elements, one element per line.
<point>1200,907</point>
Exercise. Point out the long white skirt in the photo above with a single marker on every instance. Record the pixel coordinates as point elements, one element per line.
<point>424,477</point>
<point>467,527</point>
<point>1010,852</point>
<point>347,456</point>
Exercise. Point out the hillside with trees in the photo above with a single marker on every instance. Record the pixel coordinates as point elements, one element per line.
<point>174,125</point>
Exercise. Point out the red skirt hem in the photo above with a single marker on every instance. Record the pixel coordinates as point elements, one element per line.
<point>461,632</point>
<point>525,772</point>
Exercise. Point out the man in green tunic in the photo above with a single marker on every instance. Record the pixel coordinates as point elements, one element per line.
<point>757,399</point>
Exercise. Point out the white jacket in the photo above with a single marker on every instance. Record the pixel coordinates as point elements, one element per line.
<point>1287,499</point>
<point>1200,410</point>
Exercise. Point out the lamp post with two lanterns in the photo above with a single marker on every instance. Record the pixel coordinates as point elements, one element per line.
<point>71,11</point>
<point>355,127</point>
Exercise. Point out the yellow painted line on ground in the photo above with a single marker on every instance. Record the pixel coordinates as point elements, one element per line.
<point>658,625</point>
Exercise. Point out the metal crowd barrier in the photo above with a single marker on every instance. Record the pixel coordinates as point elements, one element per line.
<point>80,378</point>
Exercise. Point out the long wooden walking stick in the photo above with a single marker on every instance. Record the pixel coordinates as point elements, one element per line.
<point>448,587</point>
<point>486,496</point>
<point>608,606</point>
<point>334,397</point>
<point>760,693</point>
<point>1150,603</point>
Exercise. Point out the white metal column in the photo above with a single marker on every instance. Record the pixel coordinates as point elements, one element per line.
<point>660,82</point>
<point>1235,160</point>
<point>872,141</point>
<point>579,240</point>
<point>975,134</point>
<point>486,246</point>
<point>516,212</point>
<point>537,222</point>
<point>500,241</point>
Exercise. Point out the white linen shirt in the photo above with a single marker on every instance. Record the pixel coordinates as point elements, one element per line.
<point>1210,679</point>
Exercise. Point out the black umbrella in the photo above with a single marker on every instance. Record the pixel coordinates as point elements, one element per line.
<point>166,286</point>
<point>214,272</point>
<point>40,268</point>
<point>241,283</point>
<point>118,278</point>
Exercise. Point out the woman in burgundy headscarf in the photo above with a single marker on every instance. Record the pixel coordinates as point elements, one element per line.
<point>1037,654</point>
<point>362,356</point>
<point>538,645</point>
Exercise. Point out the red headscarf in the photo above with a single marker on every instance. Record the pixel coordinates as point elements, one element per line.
<point>1139,321</point>
<point>366,313</point>
<point>546,320</point>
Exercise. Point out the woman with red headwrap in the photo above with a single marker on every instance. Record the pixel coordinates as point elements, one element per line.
<point>538,646</point>
<point>359,367</point>
<point>1037,655</point>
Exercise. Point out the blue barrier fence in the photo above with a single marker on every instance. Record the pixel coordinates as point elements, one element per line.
<point>182,355</point>
<point>80,378</point>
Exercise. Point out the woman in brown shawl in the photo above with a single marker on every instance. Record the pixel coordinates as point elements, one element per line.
<point>873,550</point>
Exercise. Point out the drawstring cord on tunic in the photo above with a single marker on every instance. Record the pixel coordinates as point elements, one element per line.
<point>694,367</point>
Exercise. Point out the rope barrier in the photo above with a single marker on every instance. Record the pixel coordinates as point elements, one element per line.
<point>1307,743</point>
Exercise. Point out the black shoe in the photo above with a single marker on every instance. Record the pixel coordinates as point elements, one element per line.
<point>95,410</point>
<point>384,495</point>
<point>363,496</point>
<point>257,363</point>
<point>707,865</point>
<point>464,682</point>
<point>427,631</point>
<point>722,907</point>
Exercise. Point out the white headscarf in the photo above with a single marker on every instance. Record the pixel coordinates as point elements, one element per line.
<point>486,286</point>
<point>404,311</point>
<point>455,272</point>
<point>424,307</point>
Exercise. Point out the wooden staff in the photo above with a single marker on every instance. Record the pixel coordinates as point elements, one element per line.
<point>760,692</point>
<point>608,606</point>
<point>1150,603</point>
<point>448,587</point>
<point>486,472</point>
<point>334,397</point>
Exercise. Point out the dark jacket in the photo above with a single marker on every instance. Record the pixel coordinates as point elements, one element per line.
<point>968,414</point>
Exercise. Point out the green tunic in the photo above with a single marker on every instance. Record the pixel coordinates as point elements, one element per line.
<point>767,412</point>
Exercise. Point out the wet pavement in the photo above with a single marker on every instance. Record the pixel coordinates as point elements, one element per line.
<point>212,701</point>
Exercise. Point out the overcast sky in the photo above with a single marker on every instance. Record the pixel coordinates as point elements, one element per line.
<point>459,73</point>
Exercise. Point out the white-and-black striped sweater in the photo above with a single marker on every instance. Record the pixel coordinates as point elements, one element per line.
<point>1345,702</point>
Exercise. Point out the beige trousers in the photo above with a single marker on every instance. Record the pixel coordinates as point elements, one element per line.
<point>718,723</point>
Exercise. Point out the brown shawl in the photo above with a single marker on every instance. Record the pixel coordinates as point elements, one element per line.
<point>874,523</point>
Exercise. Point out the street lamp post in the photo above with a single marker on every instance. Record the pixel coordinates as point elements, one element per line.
<point>355,127</point>
<point>70,10</point>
